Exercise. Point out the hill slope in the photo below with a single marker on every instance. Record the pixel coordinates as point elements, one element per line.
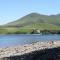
<point>37,19</point>
<point>28,19</point>
<point>34,21</point>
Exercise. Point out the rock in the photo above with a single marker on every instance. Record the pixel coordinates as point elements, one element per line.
<point>20,50</point>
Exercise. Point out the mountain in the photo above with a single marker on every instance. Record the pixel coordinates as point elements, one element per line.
<point>38,20</point>
<point>34,21</point>
<point>28,19</point>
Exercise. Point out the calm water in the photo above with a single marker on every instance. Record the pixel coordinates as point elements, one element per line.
<point>13,40</point>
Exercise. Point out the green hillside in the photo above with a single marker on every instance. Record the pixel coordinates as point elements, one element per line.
<point>33,21</point>
<point>36,18</point>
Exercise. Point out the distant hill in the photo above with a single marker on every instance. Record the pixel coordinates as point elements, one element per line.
<point>32,21</point>
<point>28,19</point>
<point>36,20</point>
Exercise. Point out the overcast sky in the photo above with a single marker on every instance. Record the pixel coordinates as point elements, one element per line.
<point>11,10</point>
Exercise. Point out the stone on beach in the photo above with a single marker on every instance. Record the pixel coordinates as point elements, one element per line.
<point>20,50</point>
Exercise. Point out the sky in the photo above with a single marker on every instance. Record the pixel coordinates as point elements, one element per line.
<point>10,10</point>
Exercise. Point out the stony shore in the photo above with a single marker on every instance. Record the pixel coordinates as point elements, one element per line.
<point>20,50</point>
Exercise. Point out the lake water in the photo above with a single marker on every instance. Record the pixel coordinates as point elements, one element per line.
<point>20,39</point>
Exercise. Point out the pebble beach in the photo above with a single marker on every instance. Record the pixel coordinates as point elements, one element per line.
<point>27,48</point>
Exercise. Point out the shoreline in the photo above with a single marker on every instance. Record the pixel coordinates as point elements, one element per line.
<point>27,48</point>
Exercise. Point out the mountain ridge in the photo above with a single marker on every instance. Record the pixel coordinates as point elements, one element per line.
<point>36,18</point>
<point>32,21</point>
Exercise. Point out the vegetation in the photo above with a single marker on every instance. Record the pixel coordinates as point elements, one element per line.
<point>32,21</point>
